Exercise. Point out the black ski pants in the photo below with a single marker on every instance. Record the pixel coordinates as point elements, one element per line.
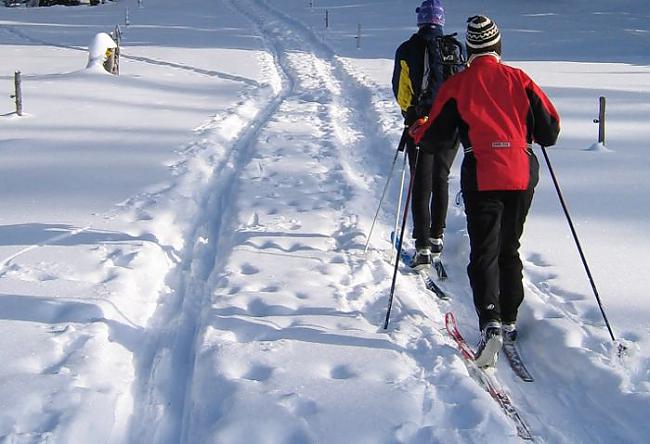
<point>430,193</point>
<point>495,223</point>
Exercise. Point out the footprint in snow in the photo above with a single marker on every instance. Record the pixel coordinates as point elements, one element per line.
<point>537,260</point>
<point>299,246</point>
<point>121,259</point>
<point>270,289</point>
<point>249,269</point>
<point>337,259</point>
<point>259,372</point>
<point>31,274</point>
<point>260,308</point>
<point>342,372</point>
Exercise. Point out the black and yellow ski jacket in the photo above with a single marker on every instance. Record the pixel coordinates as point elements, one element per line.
<point>409,73</point>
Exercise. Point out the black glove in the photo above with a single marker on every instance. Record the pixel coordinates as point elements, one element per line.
<point>410,116</point>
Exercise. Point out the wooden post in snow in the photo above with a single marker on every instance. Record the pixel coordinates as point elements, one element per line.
<point>601,119</point>
<point>117,37</point>
<point>19,93</point>
<point>327,19</point>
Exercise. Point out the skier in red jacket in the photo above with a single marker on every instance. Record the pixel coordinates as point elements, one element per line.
<point>498,112</point>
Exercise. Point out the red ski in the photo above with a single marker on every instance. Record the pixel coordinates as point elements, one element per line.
<point>487,380</point>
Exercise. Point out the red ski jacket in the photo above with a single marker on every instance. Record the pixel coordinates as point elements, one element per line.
<point>499,112</point>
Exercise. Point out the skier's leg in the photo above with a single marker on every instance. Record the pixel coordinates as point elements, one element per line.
<point>484,212</point>
<point>442,161</point>
<point>421,195</point>
<point>516,206</point>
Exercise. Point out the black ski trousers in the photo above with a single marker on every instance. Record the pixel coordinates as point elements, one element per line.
<point>495,222</point>
<point>430,192</point>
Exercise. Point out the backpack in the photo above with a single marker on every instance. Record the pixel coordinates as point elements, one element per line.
<point>452,57</point>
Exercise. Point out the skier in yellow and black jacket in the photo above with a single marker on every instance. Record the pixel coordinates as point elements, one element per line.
<point>417,76</point>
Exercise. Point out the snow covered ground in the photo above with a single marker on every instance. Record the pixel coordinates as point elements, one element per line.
<point>181,247</point>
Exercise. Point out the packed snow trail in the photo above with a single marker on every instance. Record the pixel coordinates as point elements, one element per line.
<point>165,371</point>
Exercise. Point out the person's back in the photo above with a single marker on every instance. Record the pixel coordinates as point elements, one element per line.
<point>494,101</point>
<point>411,71</point>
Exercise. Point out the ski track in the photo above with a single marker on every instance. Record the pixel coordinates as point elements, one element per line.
<point>165,371</point>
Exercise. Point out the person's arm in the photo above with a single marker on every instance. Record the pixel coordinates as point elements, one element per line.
<point>397,72</point>
<point>546,120</point>
<point>402,86</point>
<point>441,125</point>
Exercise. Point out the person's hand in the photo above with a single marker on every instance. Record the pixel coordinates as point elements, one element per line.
<point>417,130</point>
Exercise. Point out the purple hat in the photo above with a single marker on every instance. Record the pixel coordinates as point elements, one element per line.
<point>431,12</point>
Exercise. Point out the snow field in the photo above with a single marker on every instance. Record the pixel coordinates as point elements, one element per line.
<point>226,297</point>
<point>79,298</point>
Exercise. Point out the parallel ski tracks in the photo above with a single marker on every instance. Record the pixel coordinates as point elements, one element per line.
<point>166,374</point>
<point>164,404</point>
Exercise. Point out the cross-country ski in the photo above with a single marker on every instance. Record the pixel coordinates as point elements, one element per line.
<point>423,274</point>
<point>516,362</point>
<point>486,379</point>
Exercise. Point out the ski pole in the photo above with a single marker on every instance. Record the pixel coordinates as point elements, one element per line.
<point>399,207</point>
<point>401,237</point>
<point>400,147</point>
<point>577,241</point>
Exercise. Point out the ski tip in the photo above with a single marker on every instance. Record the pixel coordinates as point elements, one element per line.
<point>450,318</point>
